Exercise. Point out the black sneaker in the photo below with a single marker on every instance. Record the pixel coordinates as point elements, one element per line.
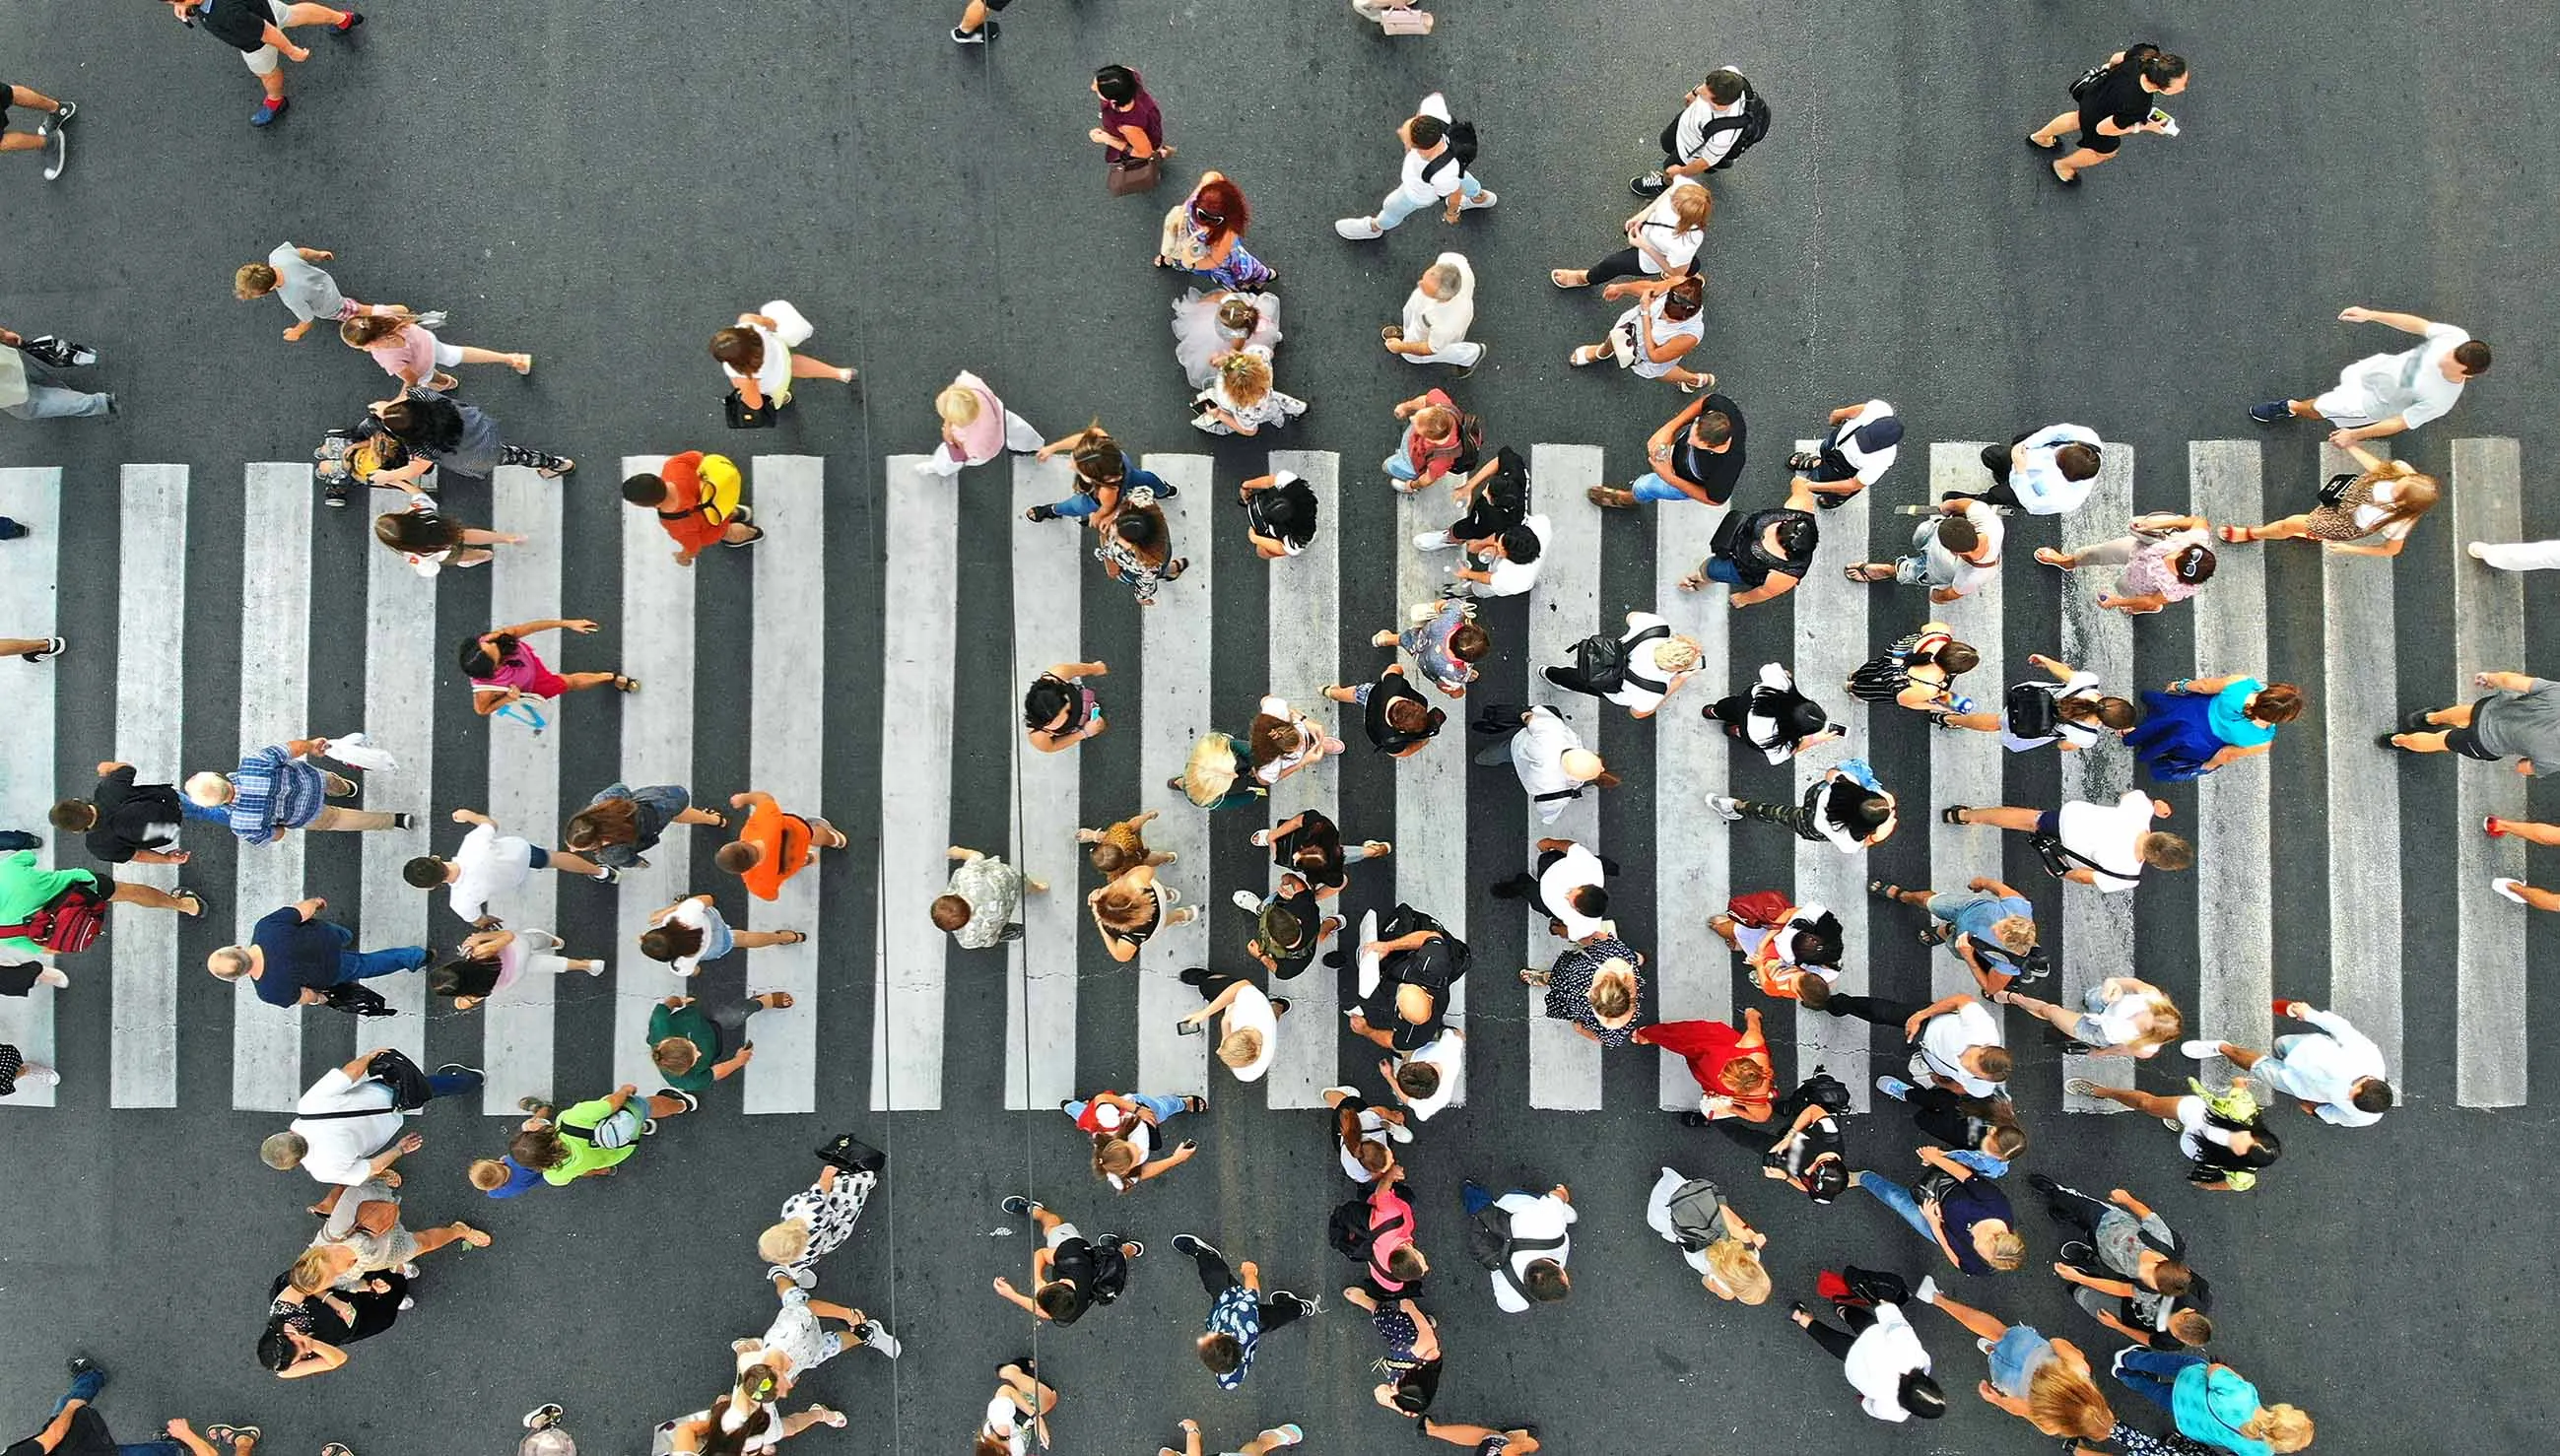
<point>1017,1206</point>
<point>1651,184</point>
<point>1165,493</point>
<point>53,122</point>
<point>12,530</point>
<point>456,1067</point>
<point>81,1365</point>
<point>1305,1307</point>
<point>978,37</point>
<point>13,839</point>
<point>403,821</point>
<point>1195,1245</point>
<point>691,1102</point>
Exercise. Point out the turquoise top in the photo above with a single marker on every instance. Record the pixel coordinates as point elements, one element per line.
<point>2231,722</point>
<point>2212,1403</point>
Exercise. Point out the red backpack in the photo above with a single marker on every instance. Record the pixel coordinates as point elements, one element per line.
<point>68,924</point>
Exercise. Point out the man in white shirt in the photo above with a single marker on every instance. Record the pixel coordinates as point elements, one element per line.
<point>1546,753</point>
<point>1861,445</point>
<point>1705,137</point>
<point>2383,394</point>
<point>1882,1357</point>
<point>1955,1043</point>
<point>1437,314</point>
<point>1539,1244</point>
<point>1428,1078</point>
<point>1953,553</point>
<point>1505,565</point>
<point>1569,883</point>
<point>490,865</point>
<point>2336,1072</point>
<point>347,1127</point>
<point>2100,844</point>
<point>2044,472</point>
<point>1437,152</point>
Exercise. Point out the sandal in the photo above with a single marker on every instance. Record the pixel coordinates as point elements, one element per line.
<point>1391,333</point>
<point>2054,556</point>
<point>188,895</point>
<point>521,364</point>
<point>1802,462</point>
<point>1587,354</point>
<point>782,1001</point>
<point>719,818</point>
<point>797,937</point>
<point>336,1448</point>
<point>622,684</point>
<point>1953,814</point>
<point>754,535</point>
<point>555,473</point>
<point>1557,275</point>
<point>1882,890</point>
<point>2236,534</point>
<point>1533,978</point>
<point>230,1433</point>
<point>1864,572</point>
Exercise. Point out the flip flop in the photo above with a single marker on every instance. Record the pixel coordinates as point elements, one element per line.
<point>249,1433</point>
<point>2237,534</point>
<point>555,473</point>
<point>754,535</point>
<point>798,937</point>
<point>786,999</point>
<point>2052,557</point>
<point>198,900</point>
<point>1556,276</point>
<point>622,684</point>
<point>1953,814</point>
<point>521,364</point>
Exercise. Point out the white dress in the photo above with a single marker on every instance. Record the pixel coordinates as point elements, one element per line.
<point>1273,408</point>
<point>790,330</point>
<point>1199,338</point>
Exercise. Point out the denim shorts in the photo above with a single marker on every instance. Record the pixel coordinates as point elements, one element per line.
<point>2014,1358</point>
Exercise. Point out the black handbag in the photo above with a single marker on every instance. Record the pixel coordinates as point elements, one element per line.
<point>393,1069</point>
<point>742,417</point>
<point>852,1154</point>
<point>2334,492</point>
<point>356,999</point>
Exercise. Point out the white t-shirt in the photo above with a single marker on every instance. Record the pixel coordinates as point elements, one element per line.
<point>2410,384</point>
<point>1538,756</point>
<point>1946,1038</point>
<point>1881,1355</point>
<point>2036,477</point>
<point>340,1149</point>
<point>1006,1419</point>
<point>2107,834</point>
<point>1250,1011</point>
<point>1447,1051</point>
<point>1424,191</point>
<point>1632,694</point>
<point>2122,1019</point>
<point>1441,322</point>
<point>492,864</point>
<point>1311,734</point>
<point>1537,1216</point>
<point>1574,868</point>
<point>1693,126</point>
<point>695,913</point>
<point>1962,575</point>
<point>1870,465</point>
<point>2077,687</point>
<point>1514,578</point>
<point>1665,329</point>
<point>1660,228</point>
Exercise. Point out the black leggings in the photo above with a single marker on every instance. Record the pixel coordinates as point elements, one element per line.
<point>530,458</point>
<point>2071,1206</point>
<point>1212,984</point>
<point>1837,1342</point>
<point>1626,262</point>
<point>1883,1010</point>
<point>1939,1115</point>
<point>1215,1277</point>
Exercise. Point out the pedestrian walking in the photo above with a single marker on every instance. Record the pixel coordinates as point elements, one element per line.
<point>2165,558</point>
<point>489,961</point>
<point>2118,1017</point>
<point>31,388</point>
<point>1205,234</point>
<point>1209,325</point>
<point>1284,741</point>
<point>2518,718</point>
<point>1288,1433</point>
<point>1879,1351</point>
<point>1059,710</point>
<point>1404,970</point>
<point>1439,155</point>
<point>1375,1230</point>
<point>1666,324</point>
<point>1505,564</point>
<point>76,1429</point>
<point>64,910</point>
<point>1662,241</point>
<point>797,1342</point>
<point>1126,1136</point>
<point>1955,1044</point>
<point>1132,133</point>
<point>1070,1272</point>
<point>1018,1413</point>
<point>2044,472</point>
<point>1761,554</point>
<point>1792,951</point>
<point>307,1335</point>
<point>1720,118</point>
<point>439,433</point>
<point>1363,1137</point>
<point>1636,669</point>
<point>2066,709</point>
<point>1248,1020</point>
<point>259,30</point>
<point>1398,719</point>
<point>1133,907</point>
<point>126,821</point>
<point>504,669</point>
<point>1437,315</point>
<point>1856,451</point>
<point>1546,753</point>
<point>1954,552</point>
<point>1309,844</point>
<point>1524,1239</point>
<point>761,354</point>
<point>1280,514</point>
<point>1985,1125</point>
<point>1846,806</point>
<point>2115,99</point>
<point>1136,549</point>
<point>1958,1207</point>
<point>2153,1299</point>
<point>1123,844</point>
<point>1693,1216</point>
<point>816,1222</point>
<point>293,276</point>
<point>691,931</point>
<point>362,1235</point>
<point>430,541</point>
<point>1106,477</point>
<point>976,427</point>
<point>1414,1360</point>
<point>1732,1068</point>
<point>2107,846</point>
<point>1989,926</point>
<point>694,1049</point>
<point>2367,515</point>
<point>16,1068</point>
<point>2196,726</point>
<point>1238,1315</point>
<point>2223,1135</point>
<point>1695,457</point>
<point>1495,498</point>
<point>2383,394</point>
<point>1772,715</point>
<point>502,1177</point>
<point>2211,1402</point>
<point>409,352</point>
<point>489,866</point>
<point>773,845</point>
<point>1569,883</point>
<point>1289,925</point>
<point>622,824</point>
<point>2334,1070</point>
<point>1593,987</point>
<point>2044,1382</point>
<point>700,503</point>
<point>47,135</point>
<point>295,958</point>
<point>593,1138</point>
<point>1435,443</point>
<point>1445,641</point>
<point>1242,398</point>
<point>347,1125</point>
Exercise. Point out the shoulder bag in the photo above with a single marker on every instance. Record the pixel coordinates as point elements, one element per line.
<point>742,417</point>
<point>68,924</point>
<point>1122,179</point>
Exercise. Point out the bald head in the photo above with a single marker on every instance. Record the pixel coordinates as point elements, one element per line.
<point>209,789</point>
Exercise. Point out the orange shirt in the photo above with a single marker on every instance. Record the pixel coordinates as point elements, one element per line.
<point>784,838</point>
<point>682,513</point>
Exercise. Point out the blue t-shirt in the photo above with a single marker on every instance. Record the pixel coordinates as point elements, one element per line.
<point>300,954</point>
<point>1977,917</point>
<point>2228,713</point>
<point>519,1179</point>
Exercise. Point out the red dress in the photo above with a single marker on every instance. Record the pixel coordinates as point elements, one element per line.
<point>1707,1047</point>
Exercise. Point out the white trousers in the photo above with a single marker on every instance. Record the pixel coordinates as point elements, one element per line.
<point>2523,556</point>
<point>1020,438</point>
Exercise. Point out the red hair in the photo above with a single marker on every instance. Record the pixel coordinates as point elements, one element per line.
<point>1220,208</point>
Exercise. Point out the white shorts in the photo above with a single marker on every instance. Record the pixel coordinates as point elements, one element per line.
<point>1061,1233</point>
<point>447,355</point>
<point>264,60</point>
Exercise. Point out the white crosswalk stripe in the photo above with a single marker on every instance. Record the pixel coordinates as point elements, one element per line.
<point>1430,863</point>
<point>1687,871</point>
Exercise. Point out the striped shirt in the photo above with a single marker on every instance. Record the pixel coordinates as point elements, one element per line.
<point>1237,1313</point>
<point>274,790</point>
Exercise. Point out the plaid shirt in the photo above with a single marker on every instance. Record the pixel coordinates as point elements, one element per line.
<point>1238,1312</point>
<point>272,789</point>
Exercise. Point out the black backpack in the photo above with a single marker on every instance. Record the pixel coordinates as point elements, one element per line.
<point>2033,712</point>
<point>1748,127</point>
<point>1820,1088</point>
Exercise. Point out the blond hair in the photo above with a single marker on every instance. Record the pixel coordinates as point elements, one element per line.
<point>1246,378</point>
<point>2008,1251</point>
<point>488,1175</point>
<point>958,404</point>
<point>254,280</point>
<point>312,1273</point>
<point>1737,1266</point>
<point>675,1056</point>
<point>2288,1428</point>
<point>2061,1401</point>
<point>1241,1049</point>
<point>783,1243</point>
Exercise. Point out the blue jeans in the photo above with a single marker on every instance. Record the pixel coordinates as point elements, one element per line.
<point>453,1083</point>
<point>1473,1197</point>
<point>1077,507</point>
<point>1166,1108</point>
<point>364,965</point>
<point>1720,569</point>
<point>1901,1201</point>
<point>1398,207</point>
<point>2153,1373</point>
<point>1400,467</point>
<point>1651,486</point>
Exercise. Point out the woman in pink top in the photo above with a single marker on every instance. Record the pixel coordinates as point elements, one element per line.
<point>977,428</point>
<point>408,352</point>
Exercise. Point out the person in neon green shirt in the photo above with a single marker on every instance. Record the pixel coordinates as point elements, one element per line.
<point>26,888</point>
<point>594,1137</point>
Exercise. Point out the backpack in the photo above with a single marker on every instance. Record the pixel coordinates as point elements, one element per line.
<point>2091,78</point>
<point>1471,449</point>
<point>1696,1207</point>
<point>2033,712</point>
<point>68,924</point>
<point>1748,128</point>
<point>1824,1090</point>
<point>1346,1230</point>
<point>1110,1271</point>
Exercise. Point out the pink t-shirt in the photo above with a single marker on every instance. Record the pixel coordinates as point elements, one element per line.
<point>983,438</point>
<point>412,351</point>
<point>521,669</point>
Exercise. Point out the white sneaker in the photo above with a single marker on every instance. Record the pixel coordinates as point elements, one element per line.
<point>597,969</point>
<point>1247,901</point>
<point>1926,1293</point>
<point>1469,204</point>
<point>875,1337</point>
<point>1726,805</point>
<point>2511,888</point>
<point>1398,1133</point>
<point>1434,541</point>
<point>1358,230</point>
<point>2200,1050</point>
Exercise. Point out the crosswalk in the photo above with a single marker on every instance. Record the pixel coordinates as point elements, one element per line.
<point>1164,699</point>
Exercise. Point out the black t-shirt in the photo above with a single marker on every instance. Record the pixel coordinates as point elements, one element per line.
<point>1285,512</point>
<point>1072,1261</point>
<point>1316,833</point>
<point>1501,503</point>
<point>2120,97</point>
<point>1746,549</point>
<point>1387,737</point>
<point>239,24</point>
<point>87,1436</point>
<point>132,816</point>
<point>1715,471</point>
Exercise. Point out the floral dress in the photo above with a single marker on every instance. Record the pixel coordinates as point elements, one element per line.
<point>1241,268</point>
<point>1569,988</point>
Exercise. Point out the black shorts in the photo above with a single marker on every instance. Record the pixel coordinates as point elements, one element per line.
<point>2467,743</point>
<point>2095,140</point>
<point>995,5</point>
